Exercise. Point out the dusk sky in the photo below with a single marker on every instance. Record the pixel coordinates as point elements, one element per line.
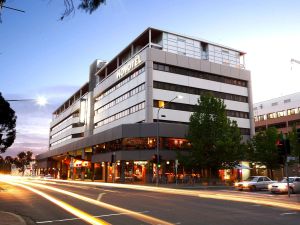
<point>42,55</point>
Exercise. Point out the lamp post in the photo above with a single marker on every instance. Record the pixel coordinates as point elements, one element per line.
<point>39,100</point>
<point>157,134</point>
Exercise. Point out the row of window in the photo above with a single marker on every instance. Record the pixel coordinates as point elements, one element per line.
<point>122,98</point>
<point>199,74</point>
<point>243,131</point>
<point>198,91</point>
<point>78,135</point>
<point>278,114</point>
<point>56,127</point>
<point>192,108</point>
<point>61,140</point>
<point>120,84</point>
<point>121,114</point>
<point>61,131</point>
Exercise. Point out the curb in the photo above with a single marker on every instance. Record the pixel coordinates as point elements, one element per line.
<point>8,218</point>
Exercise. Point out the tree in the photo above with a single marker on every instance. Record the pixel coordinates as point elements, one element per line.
<point>264,149</point>
<point>22,160</point>
<point>5,164</point>
<point>295,145</point>
<point>86,5</point>
<point>7,125</point>
<point>215,139</point>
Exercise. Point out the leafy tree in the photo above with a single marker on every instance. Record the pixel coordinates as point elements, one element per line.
<point>7,125</point>
<point>5,164</point>
<point>22,160</point>
<point>264,149</point>
<point>295,145</point>
<point>86,5</point>
<point>215,139</point>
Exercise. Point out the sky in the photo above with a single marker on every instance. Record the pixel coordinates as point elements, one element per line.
<point>40,55</point>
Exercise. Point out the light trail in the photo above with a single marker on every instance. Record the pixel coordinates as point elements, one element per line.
<point>76,212</point>
<point>196,193</point>
<point>136,215</point>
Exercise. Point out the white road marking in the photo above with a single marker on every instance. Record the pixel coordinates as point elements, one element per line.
<point>100,196</point>
<point>76,218</point>
<point>288,213</point>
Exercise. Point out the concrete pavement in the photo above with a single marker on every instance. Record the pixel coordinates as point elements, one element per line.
<point>8,218</point>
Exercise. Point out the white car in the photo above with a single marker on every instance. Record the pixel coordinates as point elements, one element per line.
<point>281,187</point>
<point>48,177</point>
<point>254,183</point>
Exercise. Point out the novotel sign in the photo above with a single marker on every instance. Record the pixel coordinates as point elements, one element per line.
<point>128,67</point>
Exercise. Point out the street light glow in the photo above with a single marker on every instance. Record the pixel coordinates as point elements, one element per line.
<point>41,100</point>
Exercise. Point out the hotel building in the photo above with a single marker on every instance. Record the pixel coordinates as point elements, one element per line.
<point>107,130</point>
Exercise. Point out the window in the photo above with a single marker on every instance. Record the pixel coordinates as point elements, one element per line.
<point>191,108</point>
<point>121,114</point>
<point>199,74</point>
<point>121,98</point>
<point>198,91</point>
<point>274,103</point>
<point>121,83</point>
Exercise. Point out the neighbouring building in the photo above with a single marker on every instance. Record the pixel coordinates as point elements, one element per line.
<point>107,129</point>
<point>282,113</point>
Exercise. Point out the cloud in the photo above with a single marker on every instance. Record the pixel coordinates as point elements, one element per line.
<point>33,121</point>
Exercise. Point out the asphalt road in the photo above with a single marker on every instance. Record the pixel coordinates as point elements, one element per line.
<point>169,208</point>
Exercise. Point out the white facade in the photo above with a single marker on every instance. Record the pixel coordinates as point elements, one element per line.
<point>278,107</point>
<point>129,88</point>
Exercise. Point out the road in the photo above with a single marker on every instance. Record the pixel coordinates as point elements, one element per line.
<point>47,202</point>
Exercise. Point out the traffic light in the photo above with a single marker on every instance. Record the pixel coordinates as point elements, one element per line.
<point>280,147</point>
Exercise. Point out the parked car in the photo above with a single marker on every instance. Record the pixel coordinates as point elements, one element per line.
<point>48,177</point>
<point>254,183</point>
<point>281,187</point>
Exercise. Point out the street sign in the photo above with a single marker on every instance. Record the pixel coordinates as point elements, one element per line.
<point>290,158</point>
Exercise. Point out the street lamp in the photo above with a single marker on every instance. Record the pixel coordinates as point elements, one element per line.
<point>39,100</point>
<point>157,133</point>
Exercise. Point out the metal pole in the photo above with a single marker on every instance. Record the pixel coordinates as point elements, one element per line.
<point>286,169</point>
<point>287,178</point>
<point>157,136</point>
<point>157,144</point>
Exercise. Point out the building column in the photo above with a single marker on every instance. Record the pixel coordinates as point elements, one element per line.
<point>82,169</point>
<point>149,88</point>
<point>122,172</point>
<point>106,171</point>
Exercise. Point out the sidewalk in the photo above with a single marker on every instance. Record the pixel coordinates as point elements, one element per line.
<point>8,218</point>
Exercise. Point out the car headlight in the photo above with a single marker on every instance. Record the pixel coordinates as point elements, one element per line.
<point>245,185</point>
<point>270,186</point>
<point>236,184</point>
<point>282,187</point>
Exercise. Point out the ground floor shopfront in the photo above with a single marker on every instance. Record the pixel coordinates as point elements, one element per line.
<point>125,154</point>
<point>138,171</point>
